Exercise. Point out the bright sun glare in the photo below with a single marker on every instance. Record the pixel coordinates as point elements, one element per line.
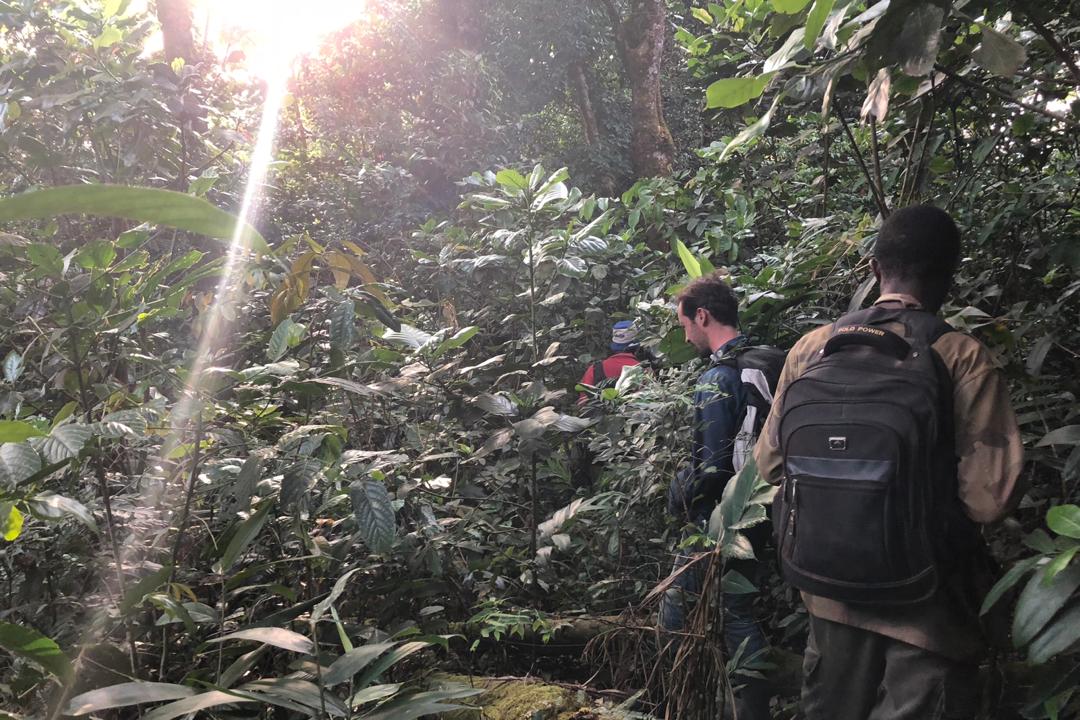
<point>273,32</point>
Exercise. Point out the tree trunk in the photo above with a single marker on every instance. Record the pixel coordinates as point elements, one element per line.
<point>579,85</point>
<point>640,39</point>
<point>175,19</point>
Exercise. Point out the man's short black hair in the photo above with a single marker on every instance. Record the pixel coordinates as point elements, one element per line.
<point>919,245</point>
<point>715,295</point>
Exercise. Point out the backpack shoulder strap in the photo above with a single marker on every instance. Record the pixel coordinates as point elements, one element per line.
<point>598,374</point>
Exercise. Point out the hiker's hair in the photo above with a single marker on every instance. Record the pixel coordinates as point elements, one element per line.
<point>712,293</point>
<point>919,246</point>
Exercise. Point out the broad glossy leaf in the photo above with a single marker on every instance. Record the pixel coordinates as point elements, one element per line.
<point>789,7</point>
<point>278,637</point>
<point>415,705</point>
<point>11,521</point>
<point>374,512</point>
<point>124,694</point>
<point>456,340</point>
<point>32,645</point>
<point>16,431</point>
<point>1060,635</point>
<point>349,385</point>
<point>815,21</point>
<point>1064,520</point>
<point>18,461</point>
<point>735,583</point>
<point>408,335</point>
<point>1007,581</point>
<point>53,506</point>
<point>286,335</point>
<point>1039,603</point>
<point>161,207</point>
<point>245,533</point>
<point>496,404</point>
<point>733,92</point>
<point>64,441</point>
<point>498,440</point>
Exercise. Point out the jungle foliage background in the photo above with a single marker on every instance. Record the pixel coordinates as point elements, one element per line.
<point>298,477</point>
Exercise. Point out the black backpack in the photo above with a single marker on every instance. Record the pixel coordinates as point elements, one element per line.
<point>869,464</point>
<point>759,368</point>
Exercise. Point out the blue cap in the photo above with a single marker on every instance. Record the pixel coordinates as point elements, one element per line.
<point>623,335</point>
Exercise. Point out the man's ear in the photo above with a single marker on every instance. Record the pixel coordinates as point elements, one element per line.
<point>703,316</point>
<point>876,267</point>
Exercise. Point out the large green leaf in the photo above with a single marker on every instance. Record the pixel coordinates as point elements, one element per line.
<point>733,92</point>
<point>51,506</point>
<point>691,263</point>
<point>246,531</point>
<point>1039,603</point>
<point>374,514</point>
<point>161,207</point>
<point>1002,586</point>
<point>64,442</point>
<point>32,645</point>
<point>1064,520</point>
<point>815,21</point>
<point>1059,636</point>
<point>18,461</point>
<point>16,431</point>
<point>124,694</point>
<point>788,7</point>
<point>286,335</point>
<point>278,637</point>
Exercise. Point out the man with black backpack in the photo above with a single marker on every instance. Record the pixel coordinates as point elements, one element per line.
<point>731,402</point>
<point>892,438</point>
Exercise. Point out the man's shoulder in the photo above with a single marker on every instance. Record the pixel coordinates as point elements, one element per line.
<point>964,355</point>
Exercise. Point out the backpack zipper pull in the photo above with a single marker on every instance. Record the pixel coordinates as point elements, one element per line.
<point>791,507</point>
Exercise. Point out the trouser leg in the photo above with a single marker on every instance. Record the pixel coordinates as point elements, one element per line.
<point>921,685</point>
<point>678,600</point>
<point>842,670</point>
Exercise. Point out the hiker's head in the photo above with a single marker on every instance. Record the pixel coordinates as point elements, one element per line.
<point>917,251</point>
<point>623,336</point>
<point>708,312</point>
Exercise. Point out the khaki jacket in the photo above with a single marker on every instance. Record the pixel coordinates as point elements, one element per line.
<point>990,453</point>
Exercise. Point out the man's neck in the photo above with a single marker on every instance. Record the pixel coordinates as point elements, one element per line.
<point>721,337</point>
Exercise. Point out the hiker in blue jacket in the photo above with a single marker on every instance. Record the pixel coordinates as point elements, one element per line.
<point>708,312</point>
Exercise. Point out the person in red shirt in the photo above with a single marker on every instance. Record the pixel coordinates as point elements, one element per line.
<point>604,373</point>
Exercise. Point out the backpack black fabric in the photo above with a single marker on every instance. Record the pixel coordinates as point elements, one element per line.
<point>869,465</point>
<point>759,368</point>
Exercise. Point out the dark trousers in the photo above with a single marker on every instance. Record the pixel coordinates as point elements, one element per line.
<point>740,625</point>
<point>855,674</point>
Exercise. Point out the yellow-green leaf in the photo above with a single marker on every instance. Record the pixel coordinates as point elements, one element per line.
<point>733,92</point>
<point>789,7</point>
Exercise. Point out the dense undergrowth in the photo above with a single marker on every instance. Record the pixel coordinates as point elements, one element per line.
<point>303,476</point>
